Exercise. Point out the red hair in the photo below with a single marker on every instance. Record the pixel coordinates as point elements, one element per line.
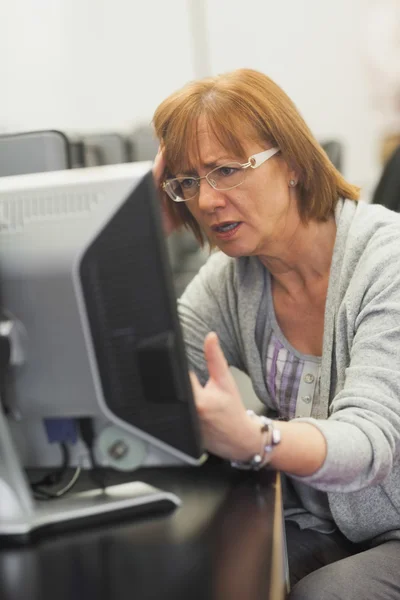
<point>247,102</point>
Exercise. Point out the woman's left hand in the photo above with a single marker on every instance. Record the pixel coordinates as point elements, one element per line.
<point>228,431</point>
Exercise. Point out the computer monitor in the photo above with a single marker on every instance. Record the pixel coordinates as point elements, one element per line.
<point>85,280</point>
<point>34,152</point>
<point>106,148</point>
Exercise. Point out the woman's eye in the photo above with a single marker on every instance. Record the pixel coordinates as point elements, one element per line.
<point>187,183</point>
<point>226,171</point>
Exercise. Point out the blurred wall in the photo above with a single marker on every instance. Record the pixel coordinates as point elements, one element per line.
<point>315,50</point>
<point>90,64</point>
<point>106,64</point>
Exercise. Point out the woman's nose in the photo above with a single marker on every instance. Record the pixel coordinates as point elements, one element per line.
<point>209,198</point>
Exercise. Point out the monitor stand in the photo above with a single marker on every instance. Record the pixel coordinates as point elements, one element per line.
<point>21,516</point>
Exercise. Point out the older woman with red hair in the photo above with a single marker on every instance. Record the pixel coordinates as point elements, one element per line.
<point>304,296</point>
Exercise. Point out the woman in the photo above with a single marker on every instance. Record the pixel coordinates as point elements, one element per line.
<point>304,297</point>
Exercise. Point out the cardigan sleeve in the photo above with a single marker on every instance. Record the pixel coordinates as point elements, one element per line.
<point>363,430</point>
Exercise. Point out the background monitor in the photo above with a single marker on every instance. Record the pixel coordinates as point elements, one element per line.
<point>84,275</point>
<point>34,152</point>
<point>108,148</point>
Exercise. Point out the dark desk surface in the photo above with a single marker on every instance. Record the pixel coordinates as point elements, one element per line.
<point>224,542</point>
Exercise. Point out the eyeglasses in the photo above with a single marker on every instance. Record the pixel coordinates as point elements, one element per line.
<point>223,178</point>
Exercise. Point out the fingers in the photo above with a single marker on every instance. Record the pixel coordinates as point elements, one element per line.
<point>217,366</point>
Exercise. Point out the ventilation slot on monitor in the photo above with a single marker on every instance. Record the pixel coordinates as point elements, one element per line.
<point>16,212</point>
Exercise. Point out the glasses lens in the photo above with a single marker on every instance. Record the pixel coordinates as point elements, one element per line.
<point>227,176</point>
<point>181,188</point>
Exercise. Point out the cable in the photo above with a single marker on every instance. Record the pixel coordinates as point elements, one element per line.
<point>56,476</point>
<point>41,494</point>
<point>88,436</point>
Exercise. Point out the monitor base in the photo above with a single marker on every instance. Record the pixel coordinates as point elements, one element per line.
<point>88,508</point>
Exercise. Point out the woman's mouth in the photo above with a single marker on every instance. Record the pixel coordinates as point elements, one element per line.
<point>227,229</point>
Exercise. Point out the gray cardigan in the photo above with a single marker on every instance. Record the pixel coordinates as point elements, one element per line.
<point>358,410</point>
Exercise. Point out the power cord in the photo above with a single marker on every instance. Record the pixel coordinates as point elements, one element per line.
<point>86,430</point>
<point>40,494</point>
<point>55,478</point>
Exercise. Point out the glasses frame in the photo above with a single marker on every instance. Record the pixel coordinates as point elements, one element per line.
<point>254,161</point>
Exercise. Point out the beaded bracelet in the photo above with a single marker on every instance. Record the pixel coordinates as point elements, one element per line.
<point>270,438</point>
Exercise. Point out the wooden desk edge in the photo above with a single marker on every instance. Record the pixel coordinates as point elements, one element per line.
<point>279,586</point>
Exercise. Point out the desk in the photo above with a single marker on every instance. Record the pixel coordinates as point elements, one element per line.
<point>224,542</point>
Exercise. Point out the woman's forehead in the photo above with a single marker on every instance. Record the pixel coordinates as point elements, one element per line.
<point>206,145</point>
<point>209,150</point>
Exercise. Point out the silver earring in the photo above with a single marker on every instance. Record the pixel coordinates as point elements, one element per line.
<point>292,183</point>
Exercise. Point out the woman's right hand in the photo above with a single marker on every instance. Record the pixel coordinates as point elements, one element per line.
<point>158,172</point>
